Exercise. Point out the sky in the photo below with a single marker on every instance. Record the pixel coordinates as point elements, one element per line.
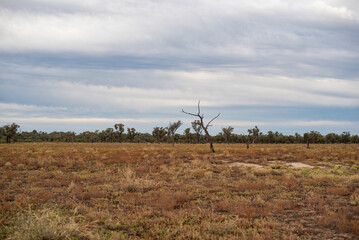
<point>283,65</point>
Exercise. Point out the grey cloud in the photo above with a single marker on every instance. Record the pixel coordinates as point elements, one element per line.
<point>175,89</point>
<point>312,38</point>
<point>91,57</point>
<point>162,28</point>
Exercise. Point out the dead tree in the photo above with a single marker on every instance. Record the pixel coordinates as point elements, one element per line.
<point>204,127</point>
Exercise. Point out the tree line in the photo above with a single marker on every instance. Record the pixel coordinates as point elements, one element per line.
<point>170,134</point>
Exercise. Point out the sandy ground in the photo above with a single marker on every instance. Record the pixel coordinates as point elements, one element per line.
<point>292,164</point>
<point>300,165</point>
<point>240,164</point>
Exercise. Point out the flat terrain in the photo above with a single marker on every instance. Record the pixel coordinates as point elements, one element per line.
<point>157,191</point>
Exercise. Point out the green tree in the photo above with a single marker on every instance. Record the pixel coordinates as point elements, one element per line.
<point>172,128</point>
<point>270,136</point>
<point>311,137</point>
<point>69,136</point>
<point>298,138</point>
<point>120,129</point>
<point>188,135</point>
<point>332,138</point>
<point>109,135</point>
<point>354,139</point>
<point>227,133</point>
<point>345,137</point>
<point>196,126</point>
<point>159,133</point>
<point>131,134</point>
<point>253,134</point>
<point>9,131</point>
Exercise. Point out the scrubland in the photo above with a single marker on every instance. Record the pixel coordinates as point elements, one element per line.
<point>160,191</point>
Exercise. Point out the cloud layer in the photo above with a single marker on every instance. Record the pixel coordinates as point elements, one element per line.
<point>143,59</point>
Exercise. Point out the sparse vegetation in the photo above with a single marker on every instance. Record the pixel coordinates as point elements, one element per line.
<point>157,191</point>
<point>46,224</point>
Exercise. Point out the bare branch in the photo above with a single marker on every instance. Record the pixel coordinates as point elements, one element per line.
<point>208,124</point>
<point>199,109</point>
<point>201,117</point>
<point>192,114</point>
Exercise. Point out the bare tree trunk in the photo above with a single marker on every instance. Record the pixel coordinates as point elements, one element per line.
<point>247,143</point>
<point>204,127</point>
<point>307,145</point>
<point>211,147</point>
<point>209,139</point>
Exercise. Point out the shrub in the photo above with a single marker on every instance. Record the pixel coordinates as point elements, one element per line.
<point>341,191</point>
<point>46,224</point>
<point>131,183</point>
<point>354,198</point>
<point>8,165</point>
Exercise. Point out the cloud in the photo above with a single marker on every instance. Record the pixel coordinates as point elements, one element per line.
<point>80,120</point>
<point>296,39</point>
<point>152,89</point>
<point>164,122</point>
<point>290,123</point>
<point>175,28</point>
<point>126,59</point>
<point>24,107</point>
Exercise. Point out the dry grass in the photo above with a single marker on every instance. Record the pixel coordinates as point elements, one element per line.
<point>156,191</point>
<point>46,224</point>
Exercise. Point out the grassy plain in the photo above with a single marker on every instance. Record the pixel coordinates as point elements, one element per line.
<point>157,191</point>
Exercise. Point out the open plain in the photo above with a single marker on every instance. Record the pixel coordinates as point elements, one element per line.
<point>160,191</point>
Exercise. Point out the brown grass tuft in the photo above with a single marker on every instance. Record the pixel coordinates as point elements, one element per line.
<point>46,224</point>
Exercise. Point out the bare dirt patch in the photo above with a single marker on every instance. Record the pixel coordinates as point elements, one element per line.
<point>241,164</point>
<point>253,165</point>
<point>300,165</point>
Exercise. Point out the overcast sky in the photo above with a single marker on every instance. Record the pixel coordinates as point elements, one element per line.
<point>291,66</point>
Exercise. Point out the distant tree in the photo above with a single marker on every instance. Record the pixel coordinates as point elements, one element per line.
<point>188,135</point>
<point>9,131</point>
<point>253,135</point>
<point>354,139</point>
<point>53,136</point>
<point>131,134</point>
<point>85,136</point>
<point>159,133</point>
<point>110,135</point>
<point>102,136</point>
<point>196,126</point>
<point>320,139</point>
<point>270,136</point>
<point>345,137</point>
<point>94,136</point>
<point>332,138</point>
<point>145,137</point>
<point>278,137</point>
<point>298,138</point>
<point>172,128</point>
<point>120,129</point>
<point>204,126</point>
<point>311,137</point>
<point>227,133</point>
<point>69,136</point>
<point>34,135</point>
